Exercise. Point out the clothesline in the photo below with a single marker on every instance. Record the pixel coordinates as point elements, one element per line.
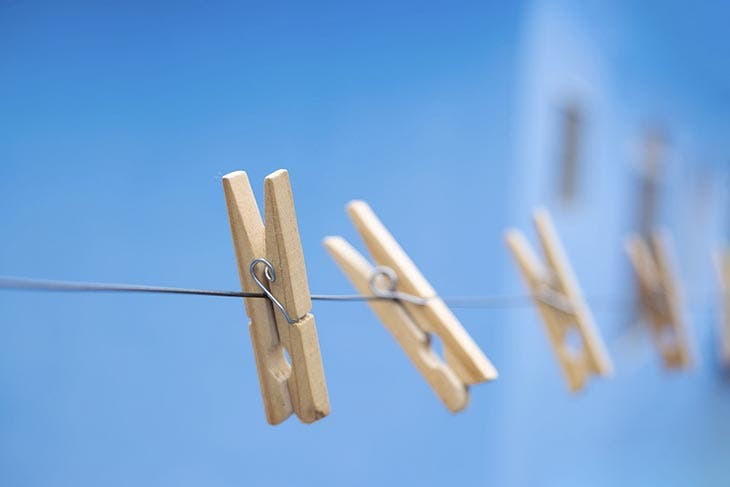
<point>493,301</point>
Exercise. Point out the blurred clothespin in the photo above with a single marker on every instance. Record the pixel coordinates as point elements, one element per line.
<point>413,312</point>
<point>660,297</point>
<point>271,261</point>
<point>723,267</point>
<point>560,302</point>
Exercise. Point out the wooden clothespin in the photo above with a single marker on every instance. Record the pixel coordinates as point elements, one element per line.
<point>271,261</point>
<point>723,267</point>
<point>559,300</point>
<point>413,319</point>
<point>660,297</point>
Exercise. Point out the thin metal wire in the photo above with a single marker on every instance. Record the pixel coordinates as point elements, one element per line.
<point>379,294</point>
<point>28,284</point>
<point>489,302</point>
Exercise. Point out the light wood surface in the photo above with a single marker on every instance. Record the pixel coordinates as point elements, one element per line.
<point>307,386</point>
<point>411,338</point>
<point>556,278</point>
<point>285,388</point>
<point>660,298</point>
<point>284,246</point>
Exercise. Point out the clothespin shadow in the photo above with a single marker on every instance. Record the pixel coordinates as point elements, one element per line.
<point>723,270</point>
<point>557,295</point>
<point>651,174</point>
<point>572,130</point>
<point>416,314</point>
<point>271,261</point>
<point>660,297</point>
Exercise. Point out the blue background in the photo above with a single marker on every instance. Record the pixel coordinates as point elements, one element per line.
<point>118,121</point>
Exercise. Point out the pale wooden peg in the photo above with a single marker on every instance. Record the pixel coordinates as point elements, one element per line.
<point>660,298</point>
<point>411,338</point>
<point>561,305</point>
<point>411,323</point>
<point>298,387</point>
<point>460,350</point>
<point>307,385</point>
<point>723,267</point>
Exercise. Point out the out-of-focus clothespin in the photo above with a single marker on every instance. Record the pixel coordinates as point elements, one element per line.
<point>723,268</point>
<point>560,302</point>
<point>271,261</point>
<point>660,297</point>
<point>413,312</point>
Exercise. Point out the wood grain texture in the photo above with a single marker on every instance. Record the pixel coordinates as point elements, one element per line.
<point>411,338</point>
<point>312,399</point>
<point>660,298</point>
<point>307,385</point>
<point>461,352</point>
<point>284,245</point>
<point>557,277</point>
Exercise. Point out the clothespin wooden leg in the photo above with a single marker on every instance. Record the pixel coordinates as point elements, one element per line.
<point>414,341</point>
<point>247,230</point>
<point>307,385</point>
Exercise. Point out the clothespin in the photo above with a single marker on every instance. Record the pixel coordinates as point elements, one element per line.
<point>415,314</point>
<point>560,302</point>
<point>723,268</point>
<point>660,297</point>
<point>271,261</point>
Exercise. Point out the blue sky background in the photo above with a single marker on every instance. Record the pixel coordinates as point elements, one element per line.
<point>117,122</point>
